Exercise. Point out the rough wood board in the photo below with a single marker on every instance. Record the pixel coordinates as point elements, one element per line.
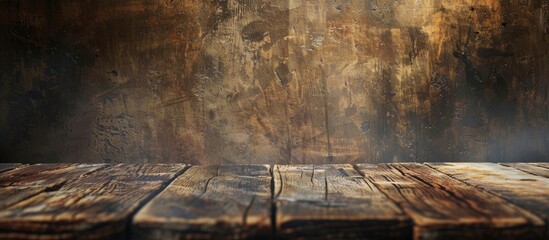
<point>543,165</point>
<point>8,166</point>
<point>445,208</point>
<point>47,175</point>
<point>210,202</point>
<point>96,206</point>
<point>333,201</point>
<point>530,168</point>
<point>526,190</point>
<point>26,181</point>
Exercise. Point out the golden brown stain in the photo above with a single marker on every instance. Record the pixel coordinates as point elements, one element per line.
<point>289,81</point>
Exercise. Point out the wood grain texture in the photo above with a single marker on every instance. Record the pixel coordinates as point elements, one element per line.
<point>210,202</point>
<point>444,208</point>
<point>24,182</point>
<point>543,165</point>
<point>530,168</point>
<point>48,175</point>
<point>333,201</point>
<point>8,166</point>
<point>529,191</point>
<point>95,206</point>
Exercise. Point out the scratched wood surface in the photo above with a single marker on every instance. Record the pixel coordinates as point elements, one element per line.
<point>445,208</point>
<point>523,189</point>
<point>530,168</point>
<point>210,202</point>
<point>333,201</point>
<point>94,206</point>
<point>544,165</point>
<point>365,201</point>
<point>23,182</point>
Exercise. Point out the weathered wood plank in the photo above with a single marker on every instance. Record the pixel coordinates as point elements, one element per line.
<point>45,174</point>
<point>95,206</point>
<point>8,166</point>
<point>333,201</point>
<point>526,190</point>
<point>210,202</point>
<point>26,181</point>
<point>543,165</point>
<point>445,208</point>
<point>529,168</point>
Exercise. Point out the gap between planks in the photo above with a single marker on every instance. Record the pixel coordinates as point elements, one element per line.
<point>275,192</point>
<point>129,221</point>
<point>94,184</point>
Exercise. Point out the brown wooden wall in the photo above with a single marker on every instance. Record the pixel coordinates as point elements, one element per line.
<point>284,81</point>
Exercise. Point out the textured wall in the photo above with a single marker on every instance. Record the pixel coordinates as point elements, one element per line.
<point>257,81</point>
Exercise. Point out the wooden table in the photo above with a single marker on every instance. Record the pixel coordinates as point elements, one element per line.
<point>363,201</point>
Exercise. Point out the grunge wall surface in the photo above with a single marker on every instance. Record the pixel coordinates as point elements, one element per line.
<point>284,81</point>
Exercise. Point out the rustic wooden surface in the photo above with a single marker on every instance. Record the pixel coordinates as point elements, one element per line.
<point>210,202</point>
<point>544,165</point>
<point>445,208</point>
<point>21,183</point>
<point>94,206</point>
<point>8,166</point>
<point>530,168</point>
<point>283,81</point>
<point>333,201</point>
<point>525,190</point>
<point>365,201</point>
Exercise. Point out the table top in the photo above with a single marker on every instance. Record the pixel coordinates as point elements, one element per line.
<point>343,201</point>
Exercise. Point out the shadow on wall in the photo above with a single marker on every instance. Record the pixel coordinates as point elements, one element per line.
<point>294,81</point>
